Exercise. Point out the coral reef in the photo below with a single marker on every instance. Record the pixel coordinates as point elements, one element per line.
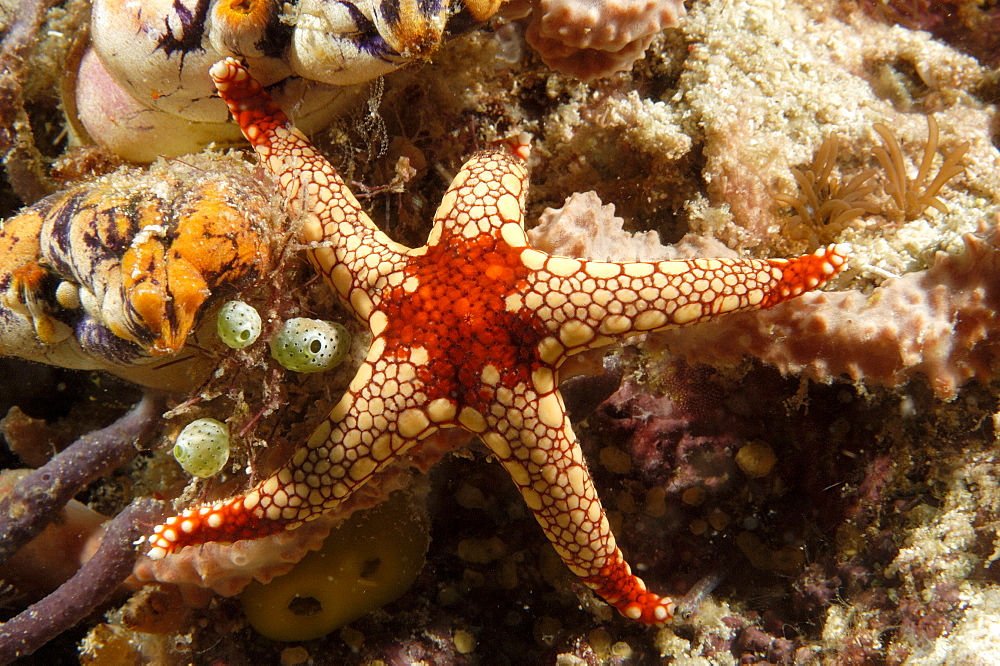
<point>871,536</point>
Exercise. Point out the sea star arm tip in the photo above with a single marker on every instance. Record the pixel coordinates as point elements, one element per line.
<point>561,494</point>
<point>622,299</point>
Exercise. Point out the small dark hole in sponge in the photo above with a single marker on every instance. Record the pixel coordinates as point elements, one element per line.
<point>370,567</point>
<point>305,606</point>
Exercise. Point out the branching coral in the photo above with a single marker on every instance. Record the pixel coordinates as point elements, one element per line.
<point>52,557</point>
<point>91,585</point>
<point>825,205</point>
<point>912,196</point>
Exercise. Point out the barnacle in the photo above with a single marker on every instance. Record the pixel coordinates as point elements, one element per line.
<point>202,447</point>
<point>824,202</point>
<point>310,345</point>
<point>912,197</point>
<point>238,324</point>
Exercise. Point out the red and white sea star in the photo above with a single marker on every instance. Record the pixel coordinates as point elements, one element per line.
<point>470,331</point>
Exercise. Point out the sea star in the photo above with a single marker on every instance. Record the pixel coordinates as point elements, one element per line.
<point>470,331</point>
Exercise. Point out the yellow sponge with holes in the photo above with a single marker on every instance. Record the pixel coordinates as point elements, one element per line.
<point>370,560</point>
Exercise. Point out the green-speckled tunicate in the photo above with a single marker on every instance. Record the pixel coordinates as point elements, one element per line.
<point>310,345</point>
<point>238,324</point>
<point>202,448</point>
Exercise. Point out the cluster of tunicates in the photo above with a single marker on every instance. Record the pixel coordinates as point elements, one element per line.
<point>300,344</point>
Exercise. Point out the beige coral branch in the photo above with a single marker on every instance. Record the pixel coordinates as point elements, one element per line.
<point>825,204</point>
<point>913,196</point>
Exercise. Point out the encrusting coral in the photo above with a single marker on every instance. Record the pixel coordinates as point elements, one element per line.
<point>941,323</point>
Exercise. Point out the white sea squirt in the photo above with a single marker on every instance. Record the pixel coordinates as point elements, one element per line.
<point>202,447</point>
<point>310,345</point>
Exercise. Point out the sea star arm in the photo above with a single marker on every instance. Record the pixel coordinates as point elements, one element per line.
<point>539,450</point>
<point>585,304</point>
<point>368,428</point>
<point>353,255</point>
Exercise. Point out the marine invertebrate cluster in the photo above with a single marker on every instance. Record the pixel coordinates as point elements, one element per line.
<point>824,201</point>
<point>113,274</point>
<point>825,205</point>
<point>142,88</point>
<point>481,352</point>
<point>747,94</point>
<point>912,196</point>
